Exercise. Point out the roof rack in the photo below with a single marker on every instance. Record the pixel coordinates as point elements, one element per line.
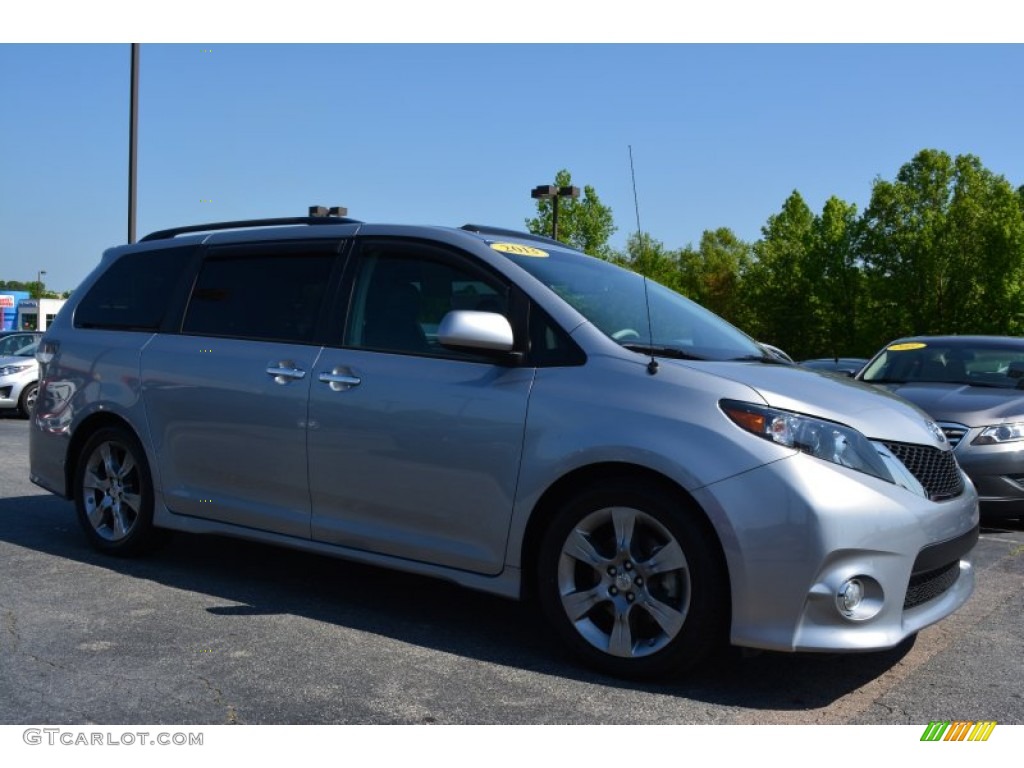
<point>166,234</point>
<point>486,230</point>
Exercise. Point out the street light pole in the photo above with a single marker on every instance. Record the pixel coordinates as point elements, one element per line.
<point>133,140</point>
<point>552,193</point>
<point>39,282</point>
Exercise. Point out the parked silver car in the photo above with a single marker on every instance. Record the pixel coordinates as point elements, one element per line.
<point>973,386</point>
<point>12,341</point>
<point>19,377</point>
<point>498,410</point>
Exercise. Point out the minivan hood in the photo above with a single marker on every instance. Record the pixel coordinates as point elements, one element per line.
<point>874,412</point>
<point>961,403</point>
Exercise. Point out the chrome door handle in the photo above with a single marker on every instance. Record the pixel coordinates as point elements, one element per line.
<point>284,373</point>
<point>340,381</point>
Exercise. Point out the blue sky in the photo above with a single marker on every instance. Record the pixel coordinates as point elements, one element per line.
<point>455,133</point>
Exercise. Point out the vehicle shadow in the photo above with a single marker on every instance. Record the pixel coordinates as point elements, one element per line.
<point>263,580</point>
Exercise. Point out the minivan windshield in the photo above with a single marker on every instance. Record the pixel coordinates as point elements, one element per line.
<point>619,303</point>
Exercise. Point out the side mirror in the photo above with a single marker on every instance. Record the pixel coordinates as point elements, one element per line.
<point>476,331</point>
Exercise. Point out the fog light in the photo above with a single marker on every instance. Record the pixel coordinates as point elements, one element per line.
<point>850,596</point>
<point>859,598</point>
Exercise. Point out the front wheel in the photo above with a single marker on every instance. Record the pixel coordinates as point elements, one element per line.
<point>27,401</point>
<point>630,580</point>
<point>114,494</point>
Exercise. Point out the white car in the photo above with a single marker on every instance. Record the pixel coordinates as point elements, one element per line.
<point>19,380</point>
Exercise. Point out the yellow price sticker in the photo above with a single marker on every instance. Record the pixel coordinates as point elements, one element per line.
<point>906,346</point>
<point>519,250</point>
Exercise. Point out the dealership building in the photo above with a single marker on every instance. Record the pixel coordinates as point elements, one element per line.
<point>19,312</point>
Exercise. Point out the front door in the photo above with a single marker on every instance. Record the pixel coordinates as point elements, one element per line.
<point>414,449</point>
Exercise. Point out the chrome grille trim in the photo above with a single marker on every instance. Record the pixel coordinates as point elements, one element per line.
<point>954,432</point>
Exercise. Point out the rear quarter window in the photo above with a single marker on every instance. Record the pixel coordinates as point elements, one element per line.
<point>133,294</point>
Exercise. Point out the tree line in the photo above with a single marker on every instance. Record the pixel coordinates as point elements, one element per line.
<point>35,288</point>
<point>939,249</point>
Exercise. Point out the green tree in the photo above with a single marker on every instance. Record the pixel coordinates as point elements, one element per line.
<point>584,223</point>
<point>944,249</point>
<point>835,280</point>
<point>777,285</point>
<point>649,257</point>
<point>712,274</point>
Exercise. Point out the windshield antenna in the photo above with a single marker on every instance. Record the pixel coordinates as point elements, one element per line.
<point>652,366</point>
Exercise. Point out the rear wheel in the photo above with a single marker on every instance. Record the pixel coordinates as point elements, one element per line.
<point>114,493</point>
<point>629,579</point>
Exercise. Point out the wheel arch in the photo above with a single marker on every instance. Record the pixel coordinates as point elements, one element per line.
<point>81,435</point>
<point>583,477</point>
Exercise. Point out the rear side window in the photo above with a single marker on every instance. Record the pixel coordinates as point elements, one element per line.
<point>133,294</point>
<point>260,296</point>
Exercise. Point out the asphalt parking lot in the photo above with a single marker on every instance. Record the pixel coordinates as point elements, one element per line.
<point>213,631</point>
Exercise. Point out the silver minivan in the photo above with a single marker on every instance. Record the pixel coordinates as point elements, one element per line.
<point>498,410</point>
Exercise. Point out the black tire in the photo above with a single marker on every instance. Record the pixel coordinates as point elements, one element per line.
<point>27,401</point>
<point>114,494</point>
<point>632,582</point>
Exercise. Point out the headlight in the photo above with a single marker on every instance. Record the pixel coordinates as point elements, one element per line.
<point>10,370</point>
<point>822,439</point>
<point>1000,433</point>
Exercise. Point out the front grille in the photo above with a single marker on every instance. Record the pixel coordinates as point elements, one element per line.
<point>930,584</point>
<point>953,432</point>
<point>937,471</point>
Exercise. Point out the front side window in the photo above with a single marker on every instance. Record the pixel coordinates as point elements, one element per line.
<point>259,296</point>
<point>403,290</point>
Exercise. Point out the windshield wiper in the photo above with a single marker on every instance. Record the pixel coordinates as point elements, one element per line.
<point>769,359</point>
<point>885,381</point>
<point>654,349</point>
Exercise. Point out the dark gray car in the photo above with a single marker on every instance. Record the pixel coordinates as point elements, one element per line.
<point>847,366</point>
<point>973,386</point>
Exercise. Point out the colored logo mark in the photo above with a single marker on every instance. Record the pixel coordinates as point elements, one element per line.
<point>958,730</point>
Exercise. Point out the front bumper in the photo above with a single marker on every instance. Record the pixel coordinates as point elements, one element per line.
<point>795,531</point>
<point>997,472</point>
<point>10,391</point>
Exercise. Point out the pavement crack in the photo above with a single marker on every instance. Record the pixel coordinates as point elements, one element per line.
<point>231,714</point>
<point>11,630</point>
